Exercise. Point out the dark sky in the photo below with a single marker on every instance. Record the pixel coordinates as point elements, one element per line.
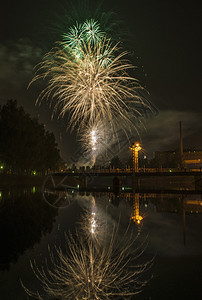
<point>165,35</point>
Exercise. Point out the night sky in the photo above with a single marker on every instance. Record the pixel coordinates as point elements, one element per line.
<point>164,35</point>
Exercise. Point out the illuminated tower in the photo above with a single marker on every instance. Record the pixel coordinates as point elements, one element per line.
<point>135,147</point>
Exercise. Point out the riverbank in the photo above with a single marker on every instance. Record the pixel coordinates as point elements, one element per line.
<point>13,180</point>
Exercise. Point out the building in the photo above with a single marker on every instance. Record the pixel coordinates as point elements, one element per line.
<point>192,159</point>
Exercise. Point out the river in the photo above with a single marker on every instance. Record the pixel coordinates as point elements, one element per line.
<point>32,221</point>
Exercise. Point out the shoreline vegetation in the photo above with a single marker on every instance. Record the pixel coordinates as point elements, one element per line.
<point>26,147</point>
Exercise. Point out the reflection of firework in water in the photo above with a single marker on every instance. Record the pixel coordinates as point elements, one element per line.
<point>93,223</point>
<point>89,82</point>
<point>90,269</point>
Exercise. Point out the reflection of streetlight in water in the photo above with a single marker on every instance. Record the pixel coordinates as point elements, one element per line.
<point>136,209</point>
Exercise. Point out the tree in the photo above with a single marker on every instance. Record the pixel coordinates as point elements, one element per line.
<point>25,145</point>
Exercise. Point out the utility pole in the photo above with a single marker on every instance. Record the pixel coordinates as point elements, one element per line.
<point>181,148</point>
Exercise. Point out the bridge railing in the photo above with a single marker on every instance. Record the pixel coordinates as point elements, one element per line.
<point>129,170</point>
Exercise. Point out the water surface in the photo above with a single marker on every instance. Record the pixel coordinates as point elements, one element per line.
<point>30,221</point>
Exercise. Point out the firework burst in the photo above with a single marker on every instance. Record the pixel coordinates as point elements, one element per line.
<point>88,32</point>
<point>89,83</point>
<point>85,11</point>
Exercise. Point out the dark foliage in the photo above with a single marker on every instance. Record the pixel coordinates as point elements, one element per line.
<point>116,162</point>
<point>25,145</point>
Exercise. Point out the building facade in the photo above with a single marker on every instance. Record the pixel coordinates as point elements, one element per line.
<point>191,159</point>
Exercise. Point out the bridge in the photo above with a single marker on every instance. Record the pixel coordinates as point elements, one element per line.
<point>86,175</point>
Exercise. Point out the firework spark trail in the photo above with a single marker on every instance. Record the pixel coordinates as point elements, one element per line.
<point>93,269</point>
<point>94,86</point>
<point>98,138</point>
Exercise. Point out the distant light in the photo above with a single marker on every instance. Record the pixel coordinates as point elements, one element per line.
<point>123,188</point>
<point>34,190</point>
<point>1,167</point>
<point>72,171</point>
<point>108,187</point>
<point>78,186</point>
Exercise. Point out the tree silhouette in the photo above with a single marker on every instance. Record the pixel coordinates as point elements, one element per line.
<point>116,162</point>
<point>25,145</point>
